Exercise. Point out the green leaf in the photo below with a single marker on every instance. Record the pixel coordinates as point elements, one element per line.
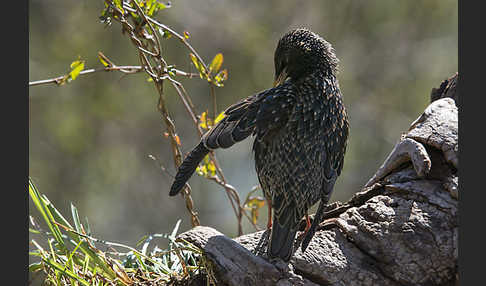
<point>118,4</point>
<point>219,117</point>
<point>205,121</point>
<point>194,60</point>
<point>216,63</point>
<point>171,70</point>
<point>165,34</point>
<point>151,7</point>
<point>76,68</point>
<point>163,6</point>
<point>206,168</point>
<point>221,77</point>
<point>201,170</point>
<point>212,169</point>
<point>254,204</point>
<point>199,66</point>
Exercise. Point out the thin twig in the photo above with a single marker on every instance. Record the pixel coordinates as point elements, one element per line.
<point>181,38</point>
<point>152,62</point>
<point>164,169</point>
<point>57,80</point>
<point>158,74</point>
<point>157,41</point>
<point>213,97</point>
<point>122,69</point>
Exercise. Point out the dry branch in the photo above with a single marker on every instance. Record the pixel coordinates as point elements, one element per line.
<point>401,229</point>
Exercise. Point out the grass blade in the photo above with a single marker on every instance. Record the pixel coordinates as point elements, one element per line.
<point>77,222</point>
<point>41,205</point>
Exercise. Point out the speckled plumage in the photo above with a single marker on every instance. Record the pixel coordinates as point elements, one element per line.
<point>300,128</point>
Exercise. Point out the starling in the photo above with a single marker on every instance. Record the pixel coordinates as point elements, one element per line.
<point>300,128</point>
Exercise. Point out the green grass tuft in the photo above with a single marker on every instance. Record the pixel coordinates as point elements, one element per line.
<point>71,256</point>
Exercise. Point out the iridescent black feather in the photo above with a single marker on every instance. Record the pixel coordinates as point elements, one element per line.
<point>300,128</point>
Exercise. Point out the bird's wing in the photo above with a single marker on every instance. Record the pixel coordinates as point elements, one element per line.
<point>259,114</point>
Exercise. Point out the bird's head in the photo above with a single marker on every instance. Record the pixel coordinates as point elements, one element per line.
<point>300,53</point>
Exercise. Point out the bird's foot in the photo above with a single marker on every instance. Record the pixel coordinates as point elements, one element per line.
<point>269,224</point>
<point>307,227</point>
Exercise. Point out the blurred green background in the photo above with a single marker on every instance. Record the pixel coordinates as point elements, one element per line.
<point>89,140</point>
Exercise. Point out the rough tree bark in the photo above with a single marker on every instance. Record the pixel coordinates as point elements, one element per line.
<point>400,229</point>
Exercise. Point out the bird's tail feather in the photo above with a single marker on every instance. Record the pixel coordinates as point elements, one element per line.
<point>187,168</point>
<point>282,240</point>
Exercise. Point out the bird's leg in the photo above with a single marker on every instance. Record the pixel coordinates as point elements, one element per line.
<point>307,223</point>
<point>269,204</point>
<point>307,227</point>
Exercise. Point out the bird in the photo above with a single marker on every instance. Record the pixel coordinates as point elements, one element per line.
<point>300,129</point>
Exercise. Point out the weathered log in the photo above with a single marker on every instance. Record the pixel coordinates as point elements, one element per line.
<point>400,229</point>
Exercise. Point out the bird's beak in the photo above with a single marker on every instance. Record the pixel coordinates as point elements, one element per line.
<point>282,77</point>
